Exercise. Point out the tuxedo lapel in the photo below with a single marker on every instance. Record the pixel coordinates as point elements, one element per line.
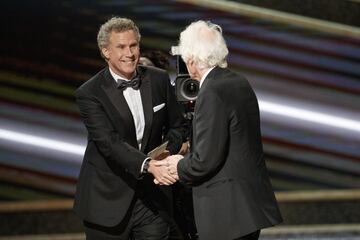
<point>146,98</point>
<point>117,99</point>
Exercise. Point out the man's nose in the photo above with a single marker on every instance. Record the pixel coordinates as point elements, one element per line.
<point>129,51</point>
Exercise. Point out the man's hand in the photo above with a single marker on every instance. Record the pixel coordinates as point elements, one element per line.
<point>184,148</point>
<point>161,174</point>
<point>170,163</point>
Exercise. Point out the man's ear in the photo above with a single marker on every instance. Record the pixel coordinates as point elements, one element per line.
<point>105,52</point>
<point>190,66</point>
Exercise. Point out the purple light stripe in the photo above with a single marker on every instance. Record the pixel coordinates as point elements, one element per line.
<point>329,63</point>
<point>350,84</point>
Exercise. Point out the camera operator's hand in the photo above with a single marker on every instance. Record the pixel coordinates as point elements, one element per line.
<point>184,148</point>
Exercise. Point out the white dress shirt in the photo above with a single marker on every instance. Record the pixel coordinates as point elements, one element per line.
<point>133,99</point>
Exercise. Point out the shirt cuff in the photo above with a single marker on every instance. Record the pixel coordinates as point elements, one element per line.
<point>143,164</point>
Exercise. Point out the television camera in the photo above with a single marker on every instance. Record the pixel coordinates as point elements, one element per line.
<point>186,89</point>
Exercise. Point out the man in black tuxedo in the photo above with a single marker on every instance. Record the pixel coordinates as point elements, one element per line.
<point>127,110</point>
<point>233,196</point>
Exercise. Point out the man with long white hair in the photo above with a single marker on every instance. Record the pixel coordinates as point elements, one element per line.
<point>233,196</point>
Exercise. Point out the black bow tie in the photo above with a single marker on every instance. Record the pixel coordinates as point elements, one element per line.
<point>134,83</point>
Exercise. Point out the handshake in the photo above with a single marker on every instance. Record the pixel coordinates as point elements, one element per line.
<point>165,170</point>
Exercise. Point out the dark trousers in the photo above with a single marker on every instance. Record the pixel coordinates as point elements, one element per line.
<point>141,224</point>
<point>252,236</point>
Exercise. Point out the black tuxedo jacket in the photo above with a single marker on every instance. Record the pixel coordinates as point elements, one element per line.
<point>110,173</point>
<point>232,192</point>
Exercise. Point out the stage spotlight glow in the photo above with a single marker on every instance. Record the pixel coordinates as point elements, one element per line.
<point>265,106</point>
<point>310,116</point>
<point>42,142</point>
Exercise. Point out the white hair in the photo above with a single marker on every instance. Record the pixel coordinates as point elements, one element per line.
<point>203,43</point>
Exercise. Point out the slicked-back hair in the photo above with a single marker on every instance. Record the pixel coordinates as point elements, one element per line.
<point>115,24</point>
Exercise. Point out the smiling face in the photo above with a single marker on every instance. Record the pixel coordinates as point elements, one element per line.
<point>123,53</point>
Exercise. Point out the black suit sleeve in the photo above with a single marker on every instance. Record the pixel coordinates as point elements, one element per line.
<point>106,139</point>
<point>210,140</point>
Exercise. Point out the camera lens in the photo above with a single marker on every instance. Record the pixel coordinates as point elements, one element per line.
<point>190,89</point>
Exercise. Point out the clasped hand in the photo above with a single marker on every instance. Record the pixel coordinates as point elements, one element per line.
<point>165,171</point>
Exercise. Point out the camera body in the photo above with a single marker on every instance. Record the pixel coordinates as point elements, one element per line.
<point>186,89</point>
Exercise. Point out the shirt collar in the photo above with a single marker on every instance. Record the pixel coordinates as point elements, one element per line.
<point>205,75</point>
<point>116,76</point>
